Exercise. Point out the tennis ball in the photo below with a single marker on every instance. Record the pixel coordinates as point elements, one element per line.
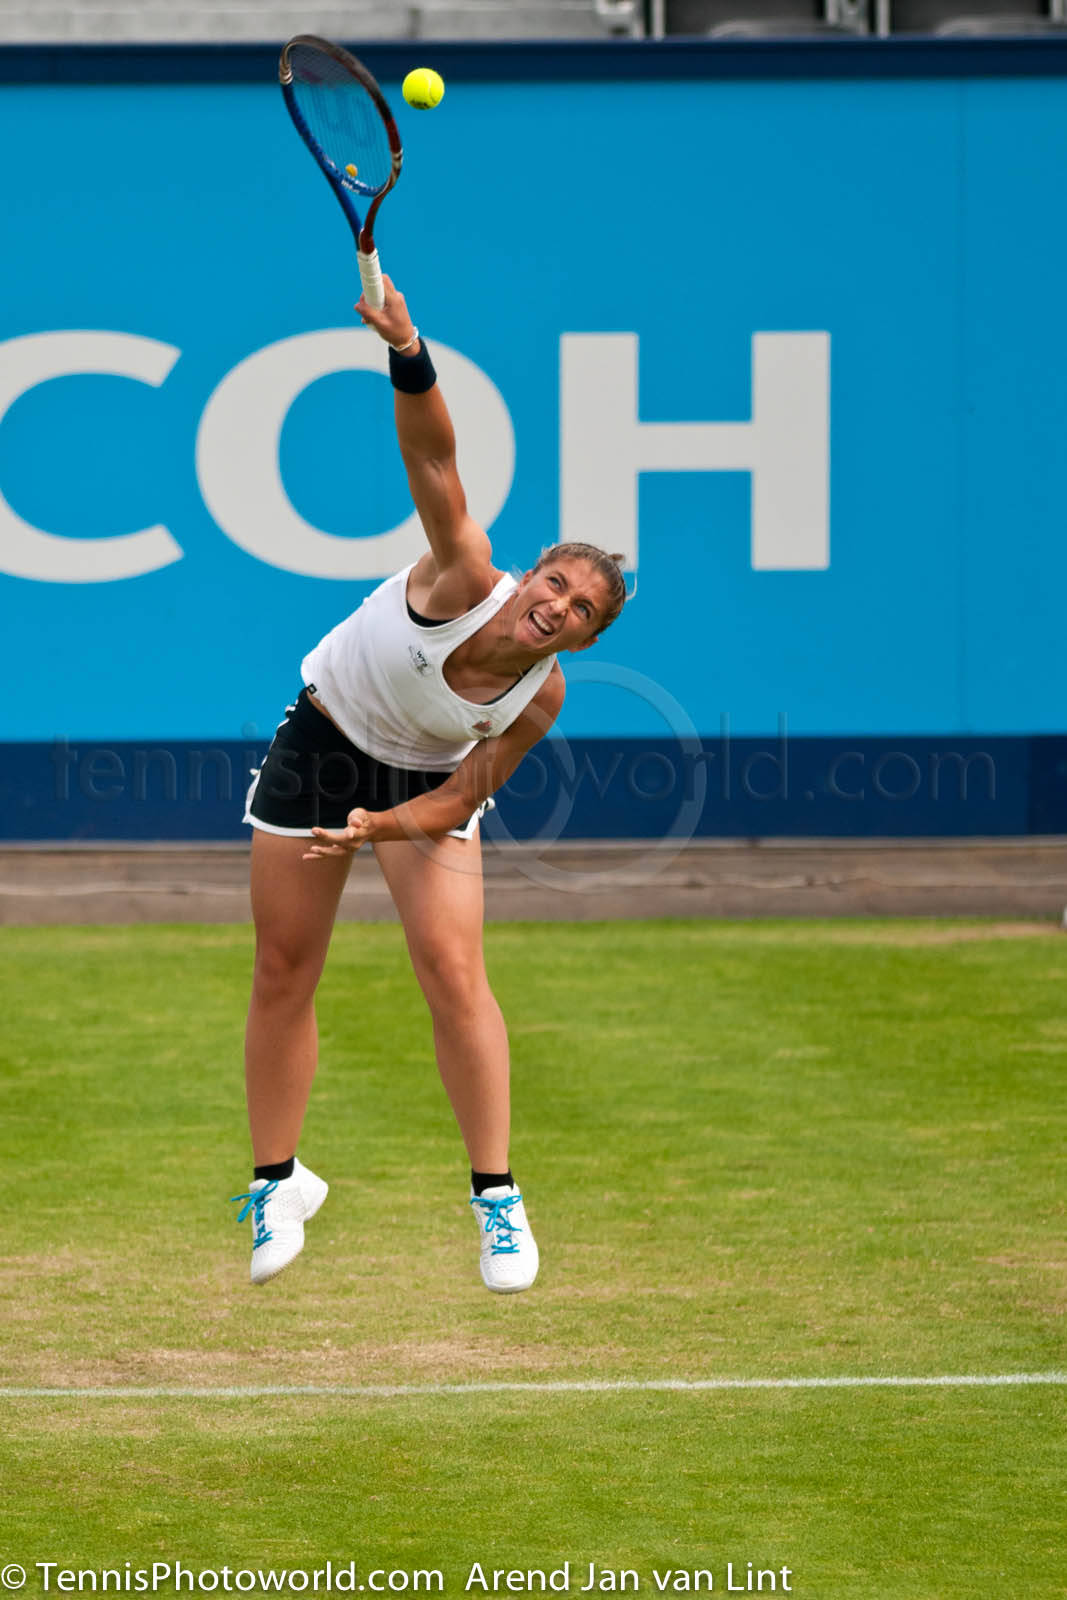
<point>423,88</point>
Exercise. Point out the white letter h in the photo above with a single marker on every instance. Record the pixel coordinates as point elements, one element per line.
<point>786,446</point>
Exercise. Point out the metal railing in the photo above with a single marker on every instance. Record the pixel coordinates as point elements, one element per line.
<point>122,21</point>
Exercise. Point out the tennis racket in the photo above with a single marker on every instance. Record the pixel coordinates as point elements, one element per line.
<point>342,116</point>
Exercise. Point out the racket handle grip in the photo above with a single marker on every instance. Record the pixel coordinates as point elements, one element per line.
<point>370,275</point>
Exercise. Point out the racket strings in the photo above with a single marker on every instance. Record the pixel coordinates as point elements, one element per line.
<point>342,118</point>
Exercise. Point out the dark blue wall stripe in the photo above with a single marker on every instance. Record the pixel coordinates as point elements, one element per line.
<point>547,61</point>
<point>588,788</point>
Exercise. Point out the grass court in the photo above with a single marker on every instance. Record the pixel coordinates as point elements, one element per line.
<point>756,1151</point>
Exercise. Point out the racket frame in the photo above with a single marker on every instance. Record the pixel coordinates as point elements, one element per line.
<point>341,182</point>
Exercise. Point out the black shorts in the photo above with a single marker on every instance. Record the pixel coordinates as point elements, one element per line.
<point>313,776</point>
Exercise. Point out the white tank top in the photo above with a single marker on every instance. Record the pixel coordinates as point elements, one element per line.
<point>381,678</point>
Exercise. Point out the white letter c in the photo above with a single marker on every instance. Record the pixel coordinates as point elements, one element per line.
<point>29,552</point>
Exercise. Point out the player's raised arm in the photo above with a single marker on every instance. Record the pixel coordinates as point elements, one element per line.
<point>428,445</point>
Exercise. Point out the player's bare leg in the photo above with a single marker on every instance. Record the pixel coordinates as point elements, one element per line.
<point>437,889</point>
<point>294,903</point>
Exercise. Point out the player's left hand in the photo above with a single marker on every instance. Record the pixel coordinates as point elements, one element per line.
<point>343,841</point>
<point>393,321</point>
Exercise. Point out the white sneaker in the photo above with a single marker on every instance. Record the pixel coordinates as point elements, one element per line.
<point>509,1258</point>
<point>279,1208</point>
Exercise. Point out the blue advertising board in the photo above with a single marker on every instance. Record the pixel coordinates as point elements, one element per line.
<point>796,346</point>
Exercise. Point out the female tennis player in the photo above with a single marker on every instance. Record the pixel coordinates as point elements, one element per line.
<point>415,708</point>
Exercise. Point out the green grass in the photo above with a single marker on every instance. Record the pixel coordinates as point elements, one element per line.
<point>750,1150</point>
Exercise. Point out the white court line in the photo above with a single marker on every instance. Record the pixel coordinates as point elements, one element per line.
<point>390,1391</point>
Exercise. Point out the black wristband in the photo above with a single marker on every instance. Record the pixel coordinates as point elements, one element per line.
<point>412,374</point>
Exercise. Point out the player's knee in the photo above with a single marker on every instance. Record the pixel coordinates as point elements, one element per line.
<point>451,977</point>
<point>285,971</point>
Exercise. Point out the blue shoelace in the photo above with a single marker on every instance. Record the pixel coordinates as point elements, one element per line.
<point>255,1203</point>
<point>498,1222</point>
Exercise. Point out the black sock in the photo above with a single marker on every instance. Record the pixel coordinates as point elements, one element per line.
<point>491,1180</point>
<point>276,1170</point>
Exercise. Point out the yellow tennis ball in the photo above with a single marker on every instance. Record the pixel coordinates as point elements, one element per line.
<point>423,88</point>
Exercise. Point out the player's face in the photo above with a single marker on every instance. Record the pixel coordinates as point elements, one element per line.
<point>560,607</point>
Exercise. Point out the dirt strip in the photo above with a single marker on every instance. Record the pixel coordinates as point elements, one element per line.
<point>573,882</point>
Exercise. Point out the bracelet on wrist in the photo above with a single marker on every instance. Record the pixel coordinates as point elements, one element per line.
<point>412,374</point>
<point>400,348</point>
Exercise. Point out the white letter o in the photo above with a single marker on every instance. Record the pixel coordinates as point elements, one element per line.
<point>237,453</point>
